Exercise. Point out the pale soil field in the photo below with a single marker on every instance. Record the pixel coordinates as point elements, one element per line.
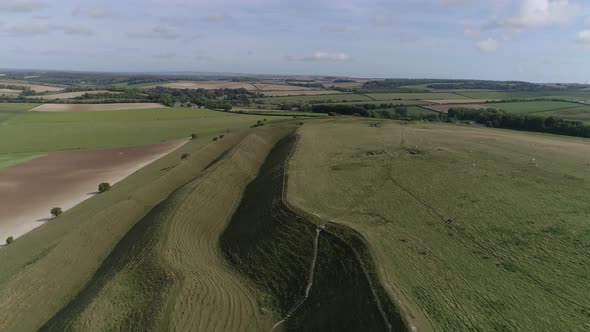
<point>95,107</point>
<point>209,85</point>
<point>459,101</point>
<point>68,95</point>
<point>64,179</point>
<point>34,87</point>
<point>357,84</point>
<point>9,92</point>
<point>472,229</point>
<point>445,108</point>
<point>299,93</point>
<point>280,87</point>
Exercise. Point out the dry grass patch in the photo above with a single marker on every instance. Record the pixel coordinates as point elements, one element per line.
<point>35,87</point>
<point>95,107</point>
<point>68,95</point>
<point>209,85</point>
<point>300,93</point>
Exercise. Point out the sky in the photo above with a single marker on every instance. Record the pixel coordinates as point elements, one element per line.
<point>531,40</point>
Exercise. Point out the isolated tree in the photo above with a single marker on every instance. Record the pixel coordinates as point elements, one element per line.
<point>56,211</point>
<point>9,240</point>
<point>184,156</point>
<point>193,136</point>
<point>104,187</point>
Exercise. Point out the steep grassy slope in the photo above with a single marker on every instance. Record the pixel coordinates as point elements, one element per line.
<point>318,277</point>
<point>471,228</point>
<point>167,272</point>
<point>44,270</point>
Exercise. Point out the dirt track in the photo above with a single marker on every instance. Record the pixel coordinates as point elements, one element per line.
<point>64,179</point>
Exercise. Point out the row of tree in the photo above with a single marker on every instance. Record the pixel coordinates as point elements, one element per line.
<point>215,99</point>
<point>501,119</point>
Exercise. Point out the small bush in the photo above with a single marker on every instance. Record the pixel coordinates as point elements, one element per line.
<point>214,139</point>
<point>9,240</point>
<point>184,156</point>
<point>105,186</point>
<point>221,136</point>
<point>56,211</point>
<point>193,136</point>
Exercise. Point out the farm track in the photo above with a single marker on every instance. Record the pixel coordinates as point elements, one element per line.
<point>282,251</point>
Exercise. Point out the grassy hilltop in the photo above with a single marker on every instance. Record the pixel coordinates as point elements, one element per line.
<point>475,229</point>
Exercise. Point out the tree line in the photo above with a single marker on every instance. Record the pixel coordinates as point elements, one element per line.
<point>500,119</point>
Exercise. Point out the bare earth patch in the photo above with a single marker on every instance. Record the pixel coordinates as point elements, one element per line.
<point>446,108</point>
<point>68,95</point>
<point>95,107</point>
<point>64,179</point>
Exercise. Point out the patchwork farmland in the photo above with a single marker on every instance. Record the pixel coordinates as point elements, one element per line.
<point>250,204</point>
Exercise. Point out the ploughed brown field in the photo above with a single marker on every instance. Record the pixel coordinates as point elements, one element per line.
<point>63,179</point>
<point>95,107</point>
<point>446,108</point>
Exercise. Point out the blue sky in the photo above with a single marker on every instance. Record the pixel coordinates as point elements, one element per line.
<point>534,40</point>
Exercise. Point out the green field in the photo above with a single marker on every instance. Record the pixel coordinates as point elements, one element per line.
<point>565,110</point>
<point>16,107</point>
<point>33,132</point>
<point>416,96</point>
<point>533,106</point>
<point>378,102</point>
<point>573,95</point>
<point>581,113</point>
<point>342,97</point>
<point>10,159</point>
<point>472,229</point>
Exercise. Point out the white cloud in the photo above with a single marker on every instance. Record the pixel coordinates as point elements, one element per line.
<point>97,13</point>
<point>321,56</point>
<point>22,6</point>
<point>487,45</point>
<point>540,13</point>
<point>584,37</point>
<point>158,32</point>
